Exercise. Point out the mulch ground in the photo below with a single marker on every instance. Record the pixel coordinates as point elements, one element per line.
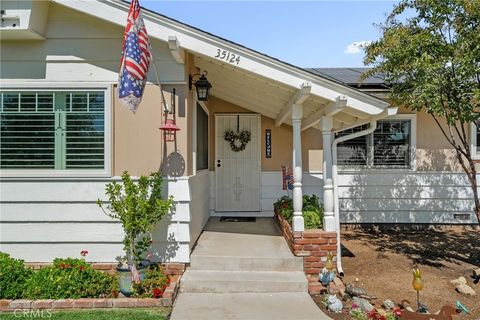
<point>381,262</point>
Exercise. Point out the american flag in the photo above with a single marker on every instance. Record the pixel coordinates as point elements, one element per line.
<point>287,178</point>
<point>135,61</point>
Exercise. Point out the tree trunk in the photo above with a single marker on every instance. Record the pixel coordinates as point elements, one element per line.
<point>473,183</point>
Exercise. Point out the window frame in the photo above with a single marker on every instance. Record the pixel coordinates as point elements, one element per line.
<point>413,149</point>
<point>71,87</point>
<point>473,142</point>
<point>194,135</point>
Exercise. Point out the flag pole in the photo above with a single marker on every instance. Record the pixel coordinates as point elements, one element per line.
<point>164,104</point>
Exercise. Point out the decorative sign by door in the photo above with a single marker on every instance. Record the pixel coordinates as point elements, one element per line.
<point>268,143</point>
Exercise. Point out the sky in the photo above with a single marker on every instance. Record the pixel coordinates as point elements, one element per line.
<point>303,33</point>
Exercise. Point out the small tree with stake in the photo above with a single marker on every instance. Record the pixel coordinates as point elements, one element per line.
<point>138,206</point>
<point>429,53</point>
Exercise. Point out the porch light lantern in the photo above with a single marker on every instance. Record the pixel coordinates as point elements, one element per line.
<point>202,85</point>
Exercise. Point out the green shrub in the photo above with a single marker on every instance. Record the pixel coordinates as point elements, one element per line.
<point>284,207</point>
<point>153,285</point>
<point>13,276</point>
<point>312,220</point>
<point>68,278</point>
<point>312,210</point>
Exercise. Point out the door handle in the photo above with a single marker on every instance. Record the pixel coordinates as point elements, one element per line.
<point>219,163</point>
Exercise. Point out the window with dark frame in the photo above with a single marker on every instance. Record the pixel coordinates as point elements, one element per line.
<point>202,138</point>
<point>388,146</point>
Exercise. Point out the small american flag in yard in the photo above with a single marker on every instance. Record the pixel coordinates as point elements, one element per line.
<point>135,61</point>
<point>287,178</point>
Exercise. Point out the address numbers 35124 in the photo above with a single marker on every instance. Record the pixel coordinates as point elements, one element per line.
<point>228,56</point>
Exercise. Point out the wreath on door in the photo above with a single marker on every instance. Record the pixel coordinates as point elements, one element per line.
<point>237,140</point>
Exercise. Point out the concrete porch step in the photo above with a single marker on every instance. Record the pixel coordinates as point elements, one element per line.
<point>235,263</point>
<point>208,281</point>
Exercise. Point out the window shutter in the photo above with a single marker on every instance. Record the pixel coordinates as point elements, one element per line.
<point>27,131</point>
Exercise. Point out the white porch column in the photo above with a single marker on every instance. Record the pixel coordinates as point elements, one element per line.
<point>297,114</point>
<point>328,201</point>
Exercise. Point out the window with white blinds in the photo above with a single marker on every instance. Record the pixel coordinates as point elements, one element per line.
<point>52,130</point>
<point>389,146</point>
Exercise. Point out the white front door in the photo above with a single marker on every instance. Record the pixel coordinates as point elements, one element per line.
<point>237,174</point>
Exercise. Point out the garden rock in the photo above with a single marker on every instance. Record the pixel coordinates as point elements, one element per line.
<point>459,281</point>
<point>363,304</point>
<point>355,291</point>
<point>388,304</point>
<point>465,289</point>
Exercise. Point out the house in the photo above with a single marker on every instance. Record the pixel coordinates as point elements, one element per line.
<point>64,135</point>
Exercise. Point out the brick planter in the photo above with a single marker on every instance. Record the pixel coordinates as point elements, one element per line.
<point>173,270</point>
<point>313,246</point>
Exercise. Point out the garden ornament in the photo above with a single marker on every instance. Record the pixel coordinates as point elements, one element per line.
<point>461,307</point>
<point>417,284</point>
<point>329,262</point>
<point>326,276</point>
<point>334,304</point>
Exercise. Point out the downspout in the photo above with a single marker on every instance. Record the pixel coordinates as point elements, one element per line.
<point>371,128</point>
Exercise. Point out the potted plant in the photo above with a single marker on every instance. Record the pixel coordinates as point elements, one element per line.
<point>138,206</point>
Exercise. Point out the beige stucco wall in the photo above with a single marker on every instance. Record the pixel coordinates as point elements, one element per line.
<point>433,152</point>
<point>281,140</point>
<point>138,144</point>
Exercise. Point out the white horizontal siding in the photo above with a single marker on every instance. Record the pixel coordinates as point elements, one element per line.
<point>272,188</point>
<point>79,47</point>
<point>200,203</point>
<point>61,232</point>
<point>405,197</point>
<point>60,216</point>
<point>388,196</point>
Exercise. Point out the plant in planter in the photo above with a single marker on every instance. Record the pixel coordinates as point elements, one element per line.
<point>284,207</point>
<point>138,206</point>
<point>312,210</point>
<point>154,284</point>
<point>68,278</point>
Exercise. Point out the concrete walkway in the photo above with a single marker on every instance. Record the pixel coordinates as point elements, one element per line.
<point>244,270</point>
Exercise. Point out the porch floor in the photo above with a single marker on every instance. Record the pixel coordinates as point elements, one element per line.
<point>244,270</point>
<point>261,238</point>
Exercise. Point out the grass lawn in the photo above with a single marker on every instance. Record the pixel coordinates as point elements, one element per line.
<point>106,314</point>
